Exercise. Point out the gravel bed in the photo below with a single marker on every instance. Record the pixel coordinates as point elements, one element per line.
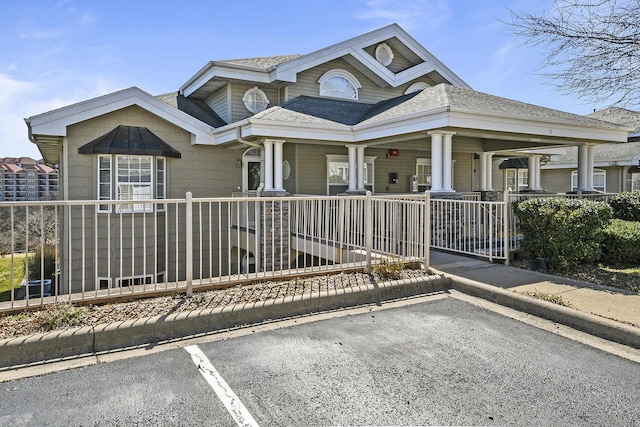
<point>63,315</point>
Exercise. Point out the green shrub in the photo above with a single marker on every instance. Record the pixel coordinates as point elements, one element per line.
<point>565,232</point>
<point>35,263</point>
<point>621,244</point>
<point>626,206</point>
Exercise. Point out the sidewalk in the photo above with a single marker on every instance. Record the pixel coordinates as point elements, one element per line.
<point>607,302</point>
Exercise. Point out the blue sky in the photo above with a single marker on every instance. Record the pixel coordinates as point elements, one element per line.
<point>55,53</point>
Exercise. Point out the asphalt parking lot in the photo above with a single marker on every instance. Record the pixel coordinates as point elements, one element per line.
<point>443,361</point>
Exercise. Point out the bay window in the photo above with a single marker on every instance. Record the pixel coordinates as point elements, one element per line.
<point>131,178</point>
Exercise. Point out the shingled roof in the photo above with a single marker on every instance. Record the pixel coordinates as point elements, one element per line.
<point>443,96</point>
<point>620,116</point>
<point>194,107</point>
<point>263,63</point>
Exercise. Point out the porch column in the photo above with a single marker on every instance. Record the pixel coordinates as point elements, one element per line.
<point>590,160</point>
<point>268,165</point>
<point>351,149</point>
<point>489,170</point>
<point>277,166</point>
<point>534,172</point>
<point>436,162</point>
<point>360,155</point>
<point>447,162</point>
<point>486,171</point>
<point>585,168</point>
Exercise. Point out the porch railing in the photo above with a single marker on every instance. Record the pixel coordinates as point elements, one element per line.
<point>95,250</point>
<point>81,250</point>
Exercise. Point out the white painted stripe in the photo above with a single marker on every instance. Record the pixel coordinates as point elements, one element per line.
<point>238,411</point>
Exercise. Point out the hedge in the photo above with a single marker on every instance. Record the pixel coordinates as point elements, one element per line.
<point>565,232</point>
<point>626,206</point>
<point>621,244</point>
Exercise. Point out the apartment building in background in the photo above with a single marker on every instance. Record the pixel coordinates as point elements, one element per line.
<point>25,179</point>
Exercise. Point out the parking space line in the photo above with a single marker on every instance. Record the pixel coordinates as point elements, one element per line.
<point>238,411</point>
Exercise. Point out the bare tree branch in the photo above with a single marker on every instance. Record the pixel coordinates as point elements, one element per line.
<point>592,46</point>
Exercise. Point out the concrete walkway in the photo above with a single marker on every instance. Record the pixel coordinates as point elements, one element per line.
<point>607,302</point>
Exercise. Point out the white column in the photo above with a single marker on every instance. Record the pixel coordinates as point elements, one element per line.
<point>447,162</point>
<point>483,171</point>
<point>486,171</point>
<point>268,165</point>
<point>277,165</point>
<point>351,149</point>
<point>436,162</point>
<point>534,172</point>
<point>583,168</point>
<point>489,171</point>
<point>590,160</point>
<point>360,152</point>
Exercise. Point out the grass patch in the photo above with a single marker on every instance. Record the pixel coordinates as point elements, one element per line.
<point>5,274</point>
<point>556,299</point>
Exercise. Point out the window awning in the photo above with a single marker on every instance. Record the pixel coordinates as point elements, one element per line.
<point>130,140</point>
<point>516,163</point>
<point>634,169</point>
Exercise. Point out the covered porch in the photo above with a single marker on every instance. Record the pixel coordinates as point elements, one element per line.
<point>444,139</point>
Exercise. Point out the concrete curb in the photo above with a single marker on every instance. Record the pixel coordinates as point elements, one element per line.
<point>601,327</point>
<point>74,343</point>
<point>70,344</point>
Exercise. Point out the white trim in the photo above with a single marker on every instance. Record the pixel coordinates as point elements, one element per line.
<point>344,158</point>
<point>246,159</point>
<point>418,86</point>
<point>247,101</point>
<point>355,47</point>
<point>603,172</point>
<point>338,72</point>
<point>55,123</point>
<point>384,49</point>
<point>635,181</point>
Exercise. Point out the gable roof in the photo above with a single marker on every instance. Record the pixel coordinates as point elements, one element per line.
<point>284,69</point>
<point>48,129</point>
<point>130,140</point>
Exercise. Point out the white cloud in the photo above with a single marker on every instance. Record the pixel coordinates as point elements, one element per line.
<point>409,14</point>
<point>20,99</point>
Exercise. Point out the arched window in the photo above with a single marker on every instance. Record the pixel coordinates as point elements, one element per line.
<point>416,87</point>
<point>339,84</point>
<point>255,100</point>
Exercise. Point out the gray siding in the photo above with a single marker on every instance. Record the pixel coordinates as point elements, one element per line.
<point>205,171</point>
<point>219,103</point>
<point>311,175</point>
<point>238,110</point>
<point>370,92</point>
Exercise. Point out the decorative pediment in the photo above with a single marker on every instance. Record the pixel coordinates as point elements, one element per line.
<point>389,56</point>
<point>410,59</point>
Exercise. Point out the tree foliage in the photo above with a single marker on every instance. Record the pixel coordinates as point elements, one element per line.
<point>591,46</point>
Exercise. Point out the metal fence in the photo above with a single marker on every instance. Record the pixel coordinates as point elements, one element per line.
<point>96,250</point>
